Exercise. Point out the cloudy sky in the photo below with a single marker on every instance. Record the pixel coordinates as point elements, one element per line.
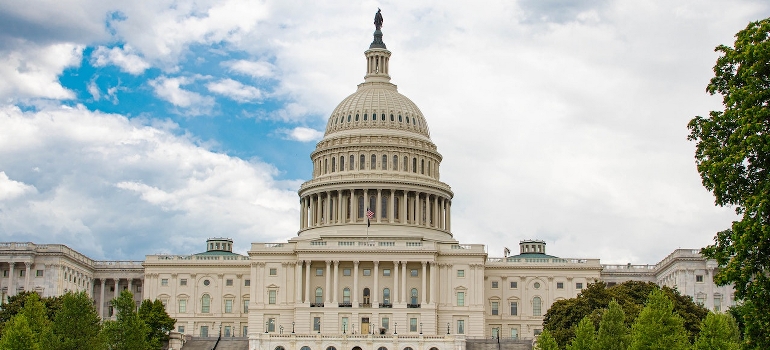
<point>129,130</point>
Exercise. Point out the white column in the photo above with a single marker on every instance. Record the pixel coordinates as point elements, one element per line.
<point>423,287</point>
<point>327,295</point>
<point>353,206</point>
<point>418,207</point>
<point>392,206</point>
<point>395,293</point>
<point>435,220</point>
<point>340,218</point>
<point>11,272</point>
<point>378,211</point>
<point>327,207</point>
<point>355,283</point>
<point>449,216</point>
<point>101,298</point>
<point>403,207</point>
<point>28,266</point>
<point>336,280</point>
<point>404,271</point>
<point>308,264</point>
<point>376,292</point>
<point>298,282</point>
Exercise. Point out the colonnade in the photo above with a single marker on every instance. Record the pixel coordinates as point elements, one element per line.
<point>12,285</point>
<point>405,207</point>
<point>102,303</point>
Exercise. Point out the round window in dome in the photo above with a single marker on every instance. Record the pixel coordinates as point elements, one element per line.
<point>399,118</point>
<point>366,116</point>
<point>391,118</point>
<point>383,116</point>
<point>356,117</point>
<point>348,118</point>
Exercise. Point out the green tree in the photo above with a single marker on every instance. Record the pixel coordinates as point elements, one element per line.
<point>545,341</point>
<point>718,332</point>
<point>16,303</point>
<point>36,314</point>
<point>18,335</point>
<point>154,315</point>
<point>128,332</point>
<point>613,332</point>
<point>585,335</point>
<point>658,326</point>
<point>77,326</point>
<point>733,158</point>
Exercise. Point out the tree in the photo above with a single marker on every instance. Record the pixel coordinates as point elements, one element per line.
<point>585,335</point>
<point>658,326</point>
<point>128,332</point>
<point>16,303</point>
<point>36,315</point>
<point>545,341</point>
<point>718,332</point>
<point>613,332</point>
<point>77,325</point>
<point>18,335</point>
<point>733,158</point>
<point>157,319</point>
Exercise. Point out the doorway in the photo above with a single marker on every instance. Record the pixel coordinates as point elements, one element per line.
<point>364,325</point>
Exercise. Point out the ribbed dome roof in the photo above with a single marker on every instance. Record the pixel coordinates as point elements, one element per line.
<point>377,106</point>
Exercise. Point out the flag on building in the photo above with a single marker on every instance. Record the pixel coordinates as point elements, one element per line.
<point>506,252</point>
<point>369,216</point>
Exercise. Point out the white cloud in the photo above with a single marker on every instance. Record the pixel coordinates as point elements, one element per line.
<point>80,176</point>
<point>33,71</point>
<point>93,89</point>
<point>124,57</point>
<point>170,90</point>
<point>301,134</point>
<point>235,90</point>
<point>254,69</point>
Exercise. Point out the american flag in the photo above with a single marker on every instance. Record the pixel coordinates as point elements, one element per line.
<point>369,213</point>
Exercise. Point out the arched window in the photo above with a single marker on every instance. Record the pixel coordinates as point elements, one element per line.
<point>399,118</point>
<point>334,164</point>
<point>346,295</point>
<point>536,307</point>
<point>396,208</point>
<point>386,295</point>
<point>342,163</point>
<point>384,207</point>
<point>305,348</point>
<point>384,165</point>
<point>429,173</point>
<point>373,204</point>
<point>331,348</point>
<point>319,295</point>
<point>434,348</point>
<point>352,162</point>
<point>362,162</point>
<point>365,116</point>
<point>373,165</point>
<point>391,118</point>
<point>382,348</point>
<point>395,162</point>
<point>383,117</point>
<point>414,165</point>
<point>356,117</point>
<point>205,304</point>
<point>407,119</point>
<point>280,348</point>
<point>326,166</point>
<point>422,166</point>
<point>414,121</point>
<point>360,207</point>
<point>348,118</point>
<point>408,348</point>
<point>414,296</point>
<point>406,163</point>
<point>367,296</point>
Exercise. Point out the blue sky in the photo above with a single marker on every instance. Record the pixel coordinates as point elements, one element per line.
<point>130,129</point>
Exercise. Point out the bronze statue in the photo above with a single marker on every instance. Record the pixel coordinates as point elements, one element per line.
<point>378,20</point>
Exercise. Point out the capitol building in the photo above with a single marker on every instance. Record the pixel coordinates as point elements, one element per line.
<point>374,264</point>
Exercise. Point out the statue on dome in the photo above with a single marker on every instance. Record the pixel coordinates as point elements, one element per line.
<point>378,20</point>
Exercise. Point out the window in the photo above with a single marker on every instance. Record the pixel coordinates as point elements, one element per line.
<point>385,323</point>
<point>229,282</point>
<point>271,324</point>
<point>559,285</point>
<point>246,331</point>
<point>183,282</point>
<point>395,162</point>
<point>386,296</point>
<point>360,207</point>
<point>536,307</point>
<point>204,331</point>
<point>699,278</point>
<point>317,324</point>
<point>514,285</point>
<point>182,305</point>
<point>228,331</point>
<point>386,272</point>
<point>271,297</point>
<point>579,285</point>
<point>205,304</point>
<point>356,117</point>
<point>362,162</point>
<point>413,272</point>
<point>345,323</point>
<point>391,118</point>
<point>367,272</point>
<point>406,163</point>
<point>460,326</point>
<point>346,272</point>
<point>514,308</point>
<point>514,333</point>
<point>700,299</point>
<point>717,303</point>
<point>495,308</point>
<point>414,165</point>
<point>373,164</point>
<point>319,295</point>
<point>384,165</point>
<point>536,285</point>
<point>460,273</point>
<point>494,284</point>
<point>319,272</point>
<point>342,163</point>
<point>422,166</point>
<point>460,298</point>
<point>273,272</point>
<point>21,274</point>
<point>334,164</point>
<point>384,206</point>
<point>413,324</point>
<point>245,306</point>
<point>39,273</point>
<point>206,282</point>
<point>164,281</point>
<point>538,331</point>
<point>228,306</point>
<point>180,329</point>
<point>414,296</point>
<point>352,162</point>
<point>346,295</point>
<point>247,283</point>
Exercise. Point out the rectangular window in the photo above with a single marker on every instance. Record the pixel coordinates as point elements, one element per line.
<point>460,298</point>
<point>271,297</point>
<point>717,304</point>
<point>386,272</point>
<point>228,306</point>
<point>180,329</point>
<point>460,326</point>
<point>246,306</point>
<point>228,330</point>
<point>386,323</point>
<point>699,278</point>
<point>183,282</point>
<point>346,272</point>
<point>460,273</point>
<point>413,324</point>
<point>271,324</point>
<point>559,285</point>
<point>164,281</point>
<point>514,333</point>
<point>39,273</point>
<point>413,272</point>
<point>494,284</point>
<point>204,331</point>
<point>273,272</point>
<point>245,331</point>
<point>205,304</point>
<point>319,272</point>
<point>182,306</point>
<point>514,285</point>
<point>247,283</point>
<point>316,324</point>
<point>367,272</point>
<point>345,323</point>
<point>514,308</point>
<point>579,285</point>
<point>538,331</point>
<point>228,283</point>
<point>495,308</point>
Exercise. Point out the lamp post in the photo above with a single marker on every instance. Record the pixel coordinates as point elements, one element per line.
<point>420,328</point>
<point>344,328</point>
<point>281,328</point>
<point>292,327</point>
<point>395,328</point>
<point>265,327</point>
<point>447,328</point>
<point>319,327</point>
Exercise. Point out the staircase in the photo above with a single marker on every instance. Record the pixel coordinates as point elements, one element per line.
<point>232,343</point>
<point>493,344</point>
<point>200,343</point>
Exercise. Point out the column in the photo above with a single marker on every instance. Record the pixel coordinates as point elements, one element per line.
<point>443,213</point>
<point>253,285</point>
<point>260,286</point>
<point>340,218</point>
<point>355,283</point>
<point>396,292</point>
<point>307,280</point>
<point>298,282</point>
<point>28,266</point>
<point>311,211</point>
<point>91,283</point>
<point>403,208</point>
<point>418,208</point>
<point>327,295</point>
<point>378,211</point>
<point>301,213</point>
<point>327,208</point>
<point>366,202</point>
<point>101,298</point>
<point>392,206</point>
<point>435,212</point>
<point>131,280</point>
<point>449,216</point>
<point>423,286</point>
<point>376,292</point>
<point>11,273</point>
<point>353,206</point>
<point>433,285</point>
<point>336,280</point>
<point>449,285</point>
<point>404,271</point>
